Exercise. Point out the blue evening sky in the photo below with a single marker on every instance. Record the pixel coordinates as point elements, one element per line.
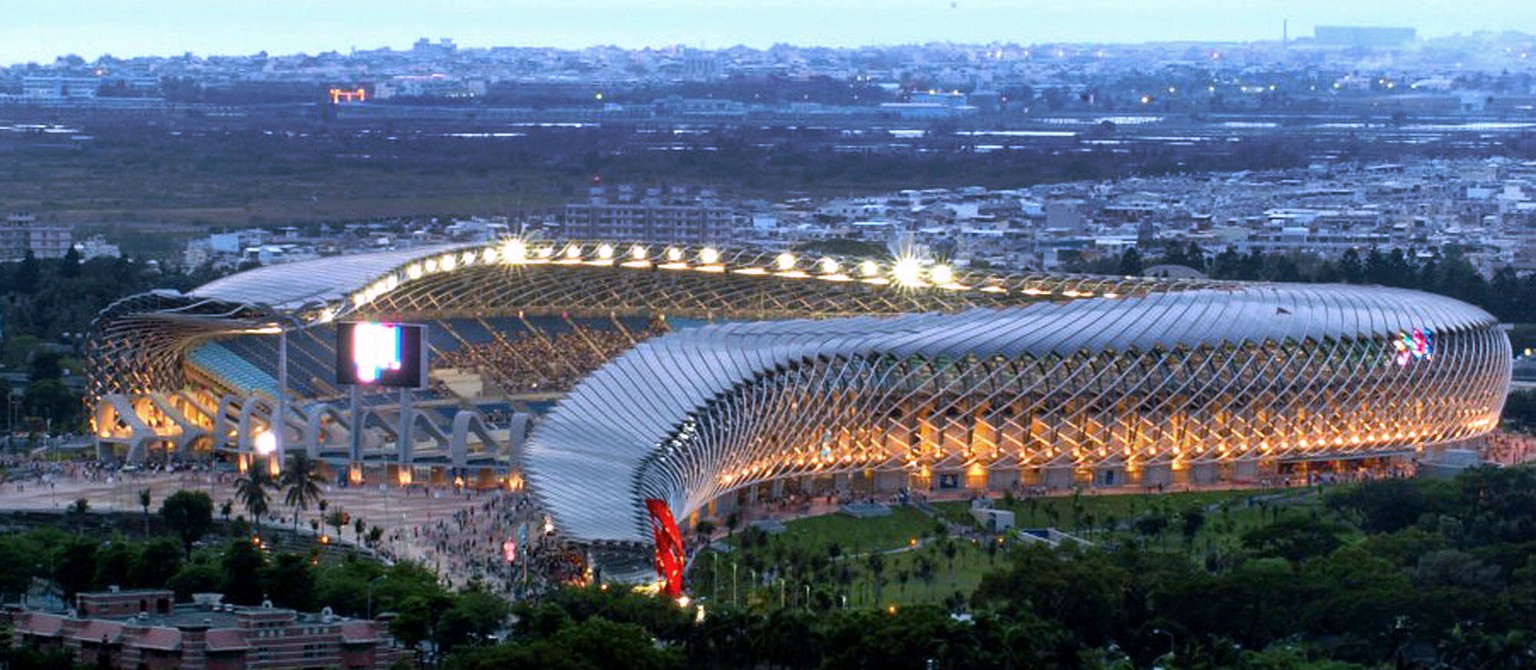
<point>39,30</point>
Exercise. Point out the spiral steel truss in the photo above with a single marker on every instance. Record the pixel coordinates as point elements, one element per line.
<point>1162,383</point>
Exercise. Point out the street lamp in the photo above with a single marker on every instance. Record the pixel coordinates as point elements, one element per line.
<point>1171,646</point>
<point>370,593</point>
<point>280,326</point>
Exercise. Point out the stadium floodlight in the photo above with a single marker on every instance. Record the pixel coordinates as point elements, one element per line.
<point>941,275</point>
<point>514,251</point>
<point>907,272</point>
<point>265,442</point>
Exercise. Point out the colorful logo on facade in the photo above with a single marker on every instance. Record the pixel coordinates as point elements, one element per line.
<point>1417,344</point>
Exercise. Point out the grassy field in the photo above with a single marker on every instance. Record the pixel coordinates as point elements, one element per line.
<point>922,561</point>
<point>854,536</point>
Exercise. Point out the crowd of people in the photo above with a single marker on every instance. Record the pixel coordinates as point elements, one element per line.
<point>1509,448</point>
<point>539,362</point>
<point>501,542</point>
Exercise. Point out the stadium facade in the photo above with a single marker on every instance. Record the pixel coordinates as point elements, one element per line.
<point>701,376</point>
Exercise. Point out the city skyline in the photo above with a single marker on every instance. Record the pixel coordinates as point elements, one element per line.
<point>41,31</point>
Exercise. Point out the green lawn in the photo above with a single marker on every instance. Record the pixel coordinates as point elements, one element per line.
<point>853,535</point>
<point>931,572</point>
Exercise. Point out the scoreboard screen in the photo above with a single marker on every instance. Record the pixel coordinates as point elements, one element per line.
<point>381,354</point>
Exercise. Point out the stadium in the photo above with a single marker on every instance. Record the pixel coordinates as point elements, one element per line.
<point>603,375</point>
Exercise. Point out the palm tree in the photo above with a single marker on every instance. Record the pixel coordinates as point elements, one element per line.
<point>299,483</point>
<point>252,490</point>
<point>144,502</point>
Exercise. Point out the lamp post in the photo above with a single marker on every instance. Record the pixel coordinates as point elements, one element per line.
<point>282,392</point>
<point>370,593</point>
<point>279,327</point>
<point>1171,645</point>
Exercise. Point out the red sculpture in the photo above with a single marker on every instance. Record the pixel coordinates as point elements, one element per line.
<point>670,556</point>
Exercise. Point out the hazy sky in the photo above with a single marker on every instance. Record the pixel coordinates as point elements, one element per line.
<point>39,30</point>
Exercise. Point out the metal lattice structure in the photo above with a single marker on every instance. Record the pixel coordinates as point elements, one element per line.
<point>1161,384</point>
<point>898,370</point>
<point>138,344</point>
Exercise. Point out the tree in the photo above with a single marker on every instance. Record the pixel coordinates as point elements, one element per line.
<point>1294,538</point>
<point>189,514</point>
<point>28,274</point>
<point>591,643</point>
<point>1130,262</point>
<point>299,482</point>
<point>290,582</point>
<point>114,562</point>
<point>254,493</point>
<point>242,565</point>
<point>876,563</point>
<point>70,267</point>
<point>77,511</point>
<point>704,528</point>
<point>337,520</point>
<point>144,503</point>
<point>154,567</point>
<point>195,578</point>
<point>1194,520</point>
<point>75,568</point>
<point>474,615</point>
<point>1383,506</point>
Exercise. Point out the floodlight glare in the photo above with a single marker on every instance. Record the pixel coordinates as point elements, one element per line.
<point>265,442</point>
<point>907,272</point>
<point>941,274</point>
<point>514,251</point>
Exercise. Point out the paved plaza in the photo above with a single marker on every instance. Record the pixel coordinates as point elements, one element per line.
<point>395,510</point>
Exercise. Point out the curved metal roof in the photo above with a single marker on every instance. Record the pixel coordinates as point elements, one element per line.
<point>322,280</point>
<point>557,277</point>
<point>585,460</point>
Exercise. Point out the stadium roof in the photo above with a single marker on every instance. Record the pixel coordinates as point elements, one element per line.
<point>588,456</point>
<point>322,280</point>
